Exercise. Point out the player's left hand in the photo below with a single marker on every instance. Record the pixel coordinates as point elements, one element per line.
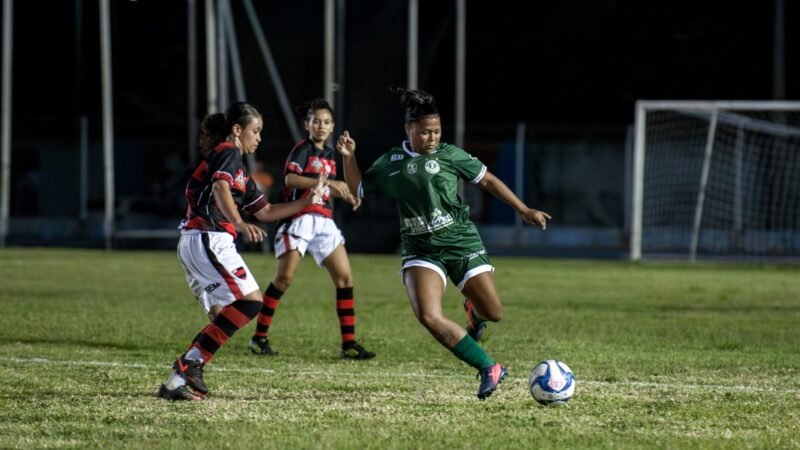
<point>535,217</point>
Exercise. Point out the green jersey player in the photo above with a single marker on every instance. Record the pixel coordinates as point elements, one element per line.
<point>438,239</point>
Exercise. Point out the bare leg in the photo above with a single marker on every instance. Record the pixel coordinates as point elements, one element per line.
<point>425,289</point>
<point>338,266</point>
<point>481,291</point>
<point>284,271</point>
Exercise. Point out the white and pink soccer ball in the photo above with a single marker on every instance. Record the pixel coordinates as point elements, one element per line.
<point>551,383</point>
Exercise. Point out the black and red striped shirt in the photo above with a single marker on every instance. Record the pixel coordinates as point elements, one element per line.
<point>307,160</point>
<point>224,163</point>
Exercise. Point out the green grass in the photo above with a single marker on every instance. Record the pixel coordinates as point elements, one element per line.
<point>665,355</point>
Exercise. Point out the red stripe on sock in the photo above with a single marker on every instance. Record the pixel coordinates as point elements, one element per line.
<point>347,320</point>
<point>216,334</point>
<point>271,302</point>
<point>348,337</point>
<point>235,316</point>
<point>346,304</point>
<point>206,355</point>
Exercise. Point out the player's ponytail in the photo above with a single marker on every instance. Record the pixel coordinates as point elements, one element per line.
<point>216,127</point>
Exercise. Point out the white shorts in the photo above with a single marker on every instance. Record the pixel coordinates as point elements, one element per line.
<point>216,273</point>
<point>314,233</point>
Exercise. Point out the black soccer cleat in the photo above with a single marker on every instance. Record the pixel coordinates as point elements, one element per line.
<point>352,350</point>
<point>192,372</point>
<point>260,346</point>
<point>491,377</point>
<point>179,393</point>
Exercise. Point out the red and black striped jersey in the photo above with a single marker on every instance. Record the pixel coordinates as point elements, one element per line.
<point>307,160</point>
<point>224,163</point>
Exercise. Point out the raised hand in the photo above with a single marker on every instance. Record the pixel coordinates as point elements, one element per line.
<point>345,144</point>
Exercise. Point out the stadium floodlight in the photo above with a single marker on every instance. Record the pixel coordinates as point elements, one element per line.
<point>716,179</point>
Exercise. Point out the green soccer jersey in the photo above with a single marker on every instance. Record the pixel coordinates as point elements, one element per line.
<point>425,188</point>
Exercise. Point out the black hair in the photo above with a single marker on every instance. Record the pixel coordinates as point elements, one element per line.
<point>216,127</point>
<point>308,108</point>
<point>418,104</point>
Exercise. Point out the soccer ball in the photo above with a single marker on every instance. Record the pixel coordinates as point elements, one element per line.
<point>551,383</point>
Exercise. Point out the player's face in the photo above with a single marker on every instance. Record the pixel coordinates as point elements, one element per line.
<point>424,134</point>
<point>250,136</point>
<point>319,125</point>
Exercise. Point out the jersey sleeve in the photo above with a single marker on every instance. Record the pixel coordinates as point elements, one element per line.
<point>467,166</point>
<point>370,180</point>
<point>225,165</point>
<point>254,200</point>
<point>296,161</point>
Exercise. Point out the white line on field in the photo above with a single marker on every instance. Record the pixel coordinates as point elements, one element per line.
<point>256,370</point>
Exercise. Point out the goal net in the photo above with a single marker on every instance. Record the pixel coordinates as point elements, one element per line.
<point>716,179</point>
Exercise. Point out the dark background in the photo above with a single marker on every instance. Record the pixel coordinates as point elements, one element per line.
<point>570,70</point>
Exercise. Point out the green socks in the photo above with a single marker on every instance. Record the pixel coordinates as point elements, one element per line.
<point>471,353</point>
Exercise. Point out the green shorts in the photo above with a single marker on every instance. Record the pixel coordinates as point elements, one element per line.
<point>459,264</point>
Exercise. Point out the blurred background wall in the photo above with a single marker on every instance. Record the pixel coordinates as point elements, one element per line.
<point>568,72</point>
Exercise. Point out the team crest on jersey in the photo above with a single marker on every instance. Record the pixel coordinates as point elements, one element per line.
<point>317,165</point>
<point>240,273</point>
<point>240,180</point>
<point>411,168</point>
<point>397,157</point>
<point>432,167</point>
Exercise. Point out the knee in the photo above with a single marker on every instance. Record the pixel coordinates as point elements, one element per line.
<point>343,281</point>
<point>429,320</point>
<point>491,314</point>
<point>283,281</point>
<point>494,316</point>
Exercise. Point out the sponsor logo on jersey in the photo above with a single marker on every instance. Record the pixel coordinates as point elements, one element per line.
<point>240,273</point>
<point>411,168</point>
<point>316,165</point>
<point>397,157</point>
<point>212,287</point>
<point>432,167</point>
<point>438,219</point>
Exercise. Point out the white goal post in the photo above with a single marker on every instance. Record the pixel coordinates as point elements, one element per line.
<point>716,179</point>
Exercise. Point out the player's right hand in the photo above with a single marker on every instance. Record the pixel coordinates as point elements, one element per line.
<point>251,233</point>
<point>339,189</point>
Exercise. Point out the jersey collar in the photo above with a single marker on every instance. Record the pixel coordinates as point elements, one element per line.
<point>412,153</point>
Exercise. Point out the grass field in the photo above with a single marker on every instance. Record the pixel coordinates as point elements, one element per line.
<point>665,355</point>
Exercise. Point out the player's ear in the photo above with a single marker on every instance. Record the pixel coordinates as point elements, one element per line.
<point>237,130</point>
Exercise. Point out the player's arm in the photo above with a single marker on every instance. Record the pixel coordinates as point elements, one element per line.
<point>346,145</point>
<point>497,188</point>
<point>338,188</point>
<point>221,190</point>
<point>272,212</point>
